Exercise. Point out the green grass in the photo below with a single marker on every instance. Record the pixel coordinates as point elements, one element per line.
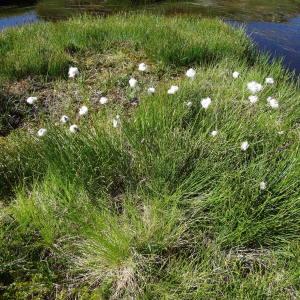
<point>158,208</point>
<point>46,48</point>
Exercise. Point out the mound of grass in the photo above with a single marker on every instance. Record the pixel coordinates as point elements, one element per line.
<point>47,49</point>
<point>157,208</point>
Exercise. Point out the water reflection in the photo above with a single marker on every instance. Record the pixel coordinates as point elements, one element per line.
<point>24,18</point>
<point>243,10</point>
<point>278,39</point>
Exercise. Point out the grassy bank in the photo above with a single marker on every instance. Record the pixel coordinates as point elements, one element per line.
<point>157,208</point>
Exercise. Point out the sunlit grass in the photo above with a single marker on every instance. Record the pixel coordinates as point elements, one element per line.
<point>47,48</point>
<point>158,207</point>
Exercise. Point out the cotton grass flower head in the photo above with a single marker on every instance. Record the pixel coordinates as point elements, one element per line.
<point>151,90</point>
<point>173,90</point>
<point>42,132</point>
<point>31,100</point>
<point>214,133</point>
<point>103,100</point>
<point>64,119</point>
<point>116,121</point>
<point>74,128</point>
<point>83,110</point>
<point>253,99</point>
<point>269,80</point>
<point>244,145</point>
<point>206,102</point>
<point>273,102</point>
<point>235,75</point>
<point>133,82</point>
<point>143,67</point>
<point>262,186</point>
<point>73,72</point>
<point>254,87</point>
<point>191,73</point>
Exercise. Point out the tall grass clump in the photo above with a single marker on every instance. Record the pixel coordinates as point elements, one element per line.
<point>165,203</point>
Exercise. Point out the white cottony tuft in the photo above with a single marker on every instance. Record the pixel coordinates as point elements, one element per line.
<point>281,132</point>
<point>133,82</point>
<point>173,89</point>
<point>83,110</point>
<point>253,99</point>
<point>151,90</point>
<point>64,119</point>
<point>31,100</point>
<point>270,80</point>
<point>74,128</point>
<point>206,102</point>
<point>143,67</point>
<point>244,146</point>
<point>42,132</point>
<point>214,133</point>
<point>116,121</point>
<point>273,102</point>
<point>235,75</point>
<point>262,186</point>
<point>189,103</point>
<point>191,73</point>
<point>254,87</point>
<point>103,100</point>
<point>73,72</point>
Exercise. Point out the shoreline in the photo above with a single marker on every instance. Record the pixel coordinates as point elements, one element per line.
<point>258,32</point>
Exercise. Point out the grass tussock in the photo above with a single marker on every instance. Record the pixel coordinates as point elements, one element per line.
<point>47,49</point>
<point>157,208</point>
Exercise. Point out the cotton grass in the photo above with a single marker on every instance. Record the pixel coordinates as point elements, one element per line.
<point>235,75</point>
<point>64,119</point>
<point>103,100</point>
<point>116,121</point>
<point>262,186</point>
<point>151,90</point>
<point>143,67</point>
<point>273,103</point>
<point>253,99</point>
<point>244,146</point>
<point>73,72</point>
<point>171,203</point>
<point>173,90</point>
<point>214,133</point>
<point>269,80</point>
<point>254,87</point>
<point>31,100</point>
<point>205,103</point>
<point>74,128</point>
<point>83,110</point>
<point>133,82</point>
<point>191,73</point>
<point>42,132</point>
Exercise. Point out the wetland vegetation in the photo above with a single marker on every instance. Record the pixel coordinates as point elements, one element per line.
<point>186,194</point>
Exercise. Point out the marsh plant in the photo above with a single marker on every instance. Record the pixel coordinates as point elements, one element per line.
<point>156,158</point>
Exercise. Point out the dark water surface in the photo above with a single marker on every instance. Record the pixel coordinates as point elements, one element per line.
<point>274,25</point>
